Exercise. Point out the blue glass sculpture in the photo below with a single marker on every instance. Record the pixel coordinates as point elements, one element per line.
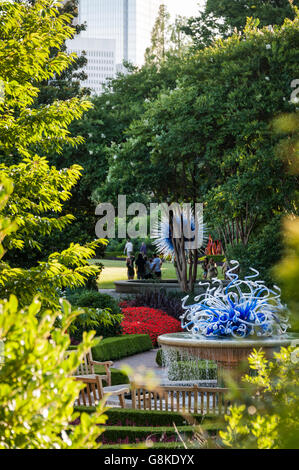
<point>240,309</point>
<point>163,236</point>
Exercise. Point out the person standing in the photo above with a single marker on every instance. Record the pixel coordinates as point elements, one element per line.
<point>156,267</point>
<point>205,267</point>
<point>128,249</point>
<point>140,265</point>
<point>224,269</point>
<point>148,262</point>
<point>143,249</point>
<point>212,270</point>
<point>130,266</point>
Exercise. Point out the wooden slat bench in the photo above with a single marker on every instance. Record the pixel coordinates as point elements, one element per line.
<point>192,399</point>
<point>86,368</point>
<point>94,391</point>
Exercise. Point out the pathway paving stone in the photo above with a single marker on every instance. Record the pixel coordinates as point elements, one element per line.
<point>147,360</point>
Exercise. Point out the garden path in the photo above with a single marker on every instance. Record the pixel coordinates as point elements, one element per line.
<point>113,294</point>
<point>146,360</point>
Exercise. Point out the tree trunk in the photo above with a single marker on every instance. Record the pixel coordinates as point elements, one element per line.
<point>186,278</point>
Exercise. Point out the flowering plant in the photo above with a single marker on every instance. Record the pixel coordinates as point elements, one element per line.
<point>145,320</point>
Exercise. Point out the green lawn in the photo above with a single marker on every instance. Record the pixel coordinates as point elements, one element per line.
<point>117,271</point>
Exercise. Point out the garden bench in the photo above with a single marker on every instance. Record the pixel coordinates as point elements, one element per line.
<point>94,391</point>
<point>86,369</point>
<point>194,399</point>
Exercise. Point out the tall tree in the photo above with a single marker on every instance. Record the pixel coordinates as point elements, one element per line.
<point>220,18</point>
<point>167,38</point>
<point>28,34</point>
<point>160,37</point>
<point>66,84</point>
<point>210,138</point>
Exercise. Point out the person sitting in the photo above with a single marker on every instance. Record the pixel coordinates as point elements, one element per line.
<point>156,267</point>
<point>140,265</point>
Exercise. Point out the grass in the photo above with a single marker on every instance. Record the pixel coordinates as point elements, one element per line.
<point>116,270</point>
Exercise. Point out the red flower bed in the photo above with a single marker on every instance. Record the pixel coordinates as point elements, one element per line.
<point>146,320</point>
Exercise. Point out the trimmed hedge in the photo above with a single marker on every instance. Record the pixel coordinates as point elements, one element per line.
<point>192,370</point>
<point>135,434</point>
<point>126,417</point>
<point>189,370</point>
<point>159,361</point>
<point>129,417</point>
<point>117,376</point>
<point>157,445</point>
<point>132,426</point>
<point>132,433</point>
<point>119,347</point>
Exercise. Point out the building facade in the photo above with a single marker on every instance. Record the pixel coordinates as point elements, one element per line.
<point>128,22</point>
<point>121,28</point>
<point>100,55</point>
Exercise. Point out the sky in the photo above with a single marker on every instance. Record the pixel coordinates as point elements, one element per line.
<point>183,7</point>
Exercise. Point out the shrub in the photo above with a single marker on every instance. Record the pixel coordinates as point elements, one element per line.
<point>192,370</point>
<point>148,320</point>
<point>170,303</point>
<point>110,349</point>
<point>37,391</point>
<point>159,358</point>
<point>127,417</point>
<point>157,445</point>
<point>269,415</point>
<point>117,376</point>
<point>132,434</point>
<point>92,299</point>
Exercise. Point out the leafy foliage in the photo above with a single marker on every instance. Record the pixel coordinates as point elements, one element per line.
<point>97,307</point>
<point>120,347</point>
<point>222,17</point>
<point>37,392</point>
<point>214,131</point>
<point>270,419</point>
<point>28,34</point>
<point>170,304</point>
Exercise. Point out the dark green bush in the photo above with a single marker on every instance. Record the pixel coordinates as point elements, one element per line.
<point>94,299</point>
<point>126,417</point>
<point>189,370</point>
<point>159,358</point>
<point>117,376</point>
<point>157,445</point>
<point>111,349</point>
<point>192,370</point>
<point>132,433</point>
<point>262,253</point>
<point>170,303</point>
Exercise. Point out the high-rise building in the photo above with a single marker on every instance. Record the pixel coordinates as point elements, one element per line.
<point>100,55</point>
<point>117,31</point>
<point>128,22</point>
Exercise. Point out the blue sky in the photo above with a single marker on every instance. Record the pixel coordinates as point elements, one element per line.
<point>183,7</point>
